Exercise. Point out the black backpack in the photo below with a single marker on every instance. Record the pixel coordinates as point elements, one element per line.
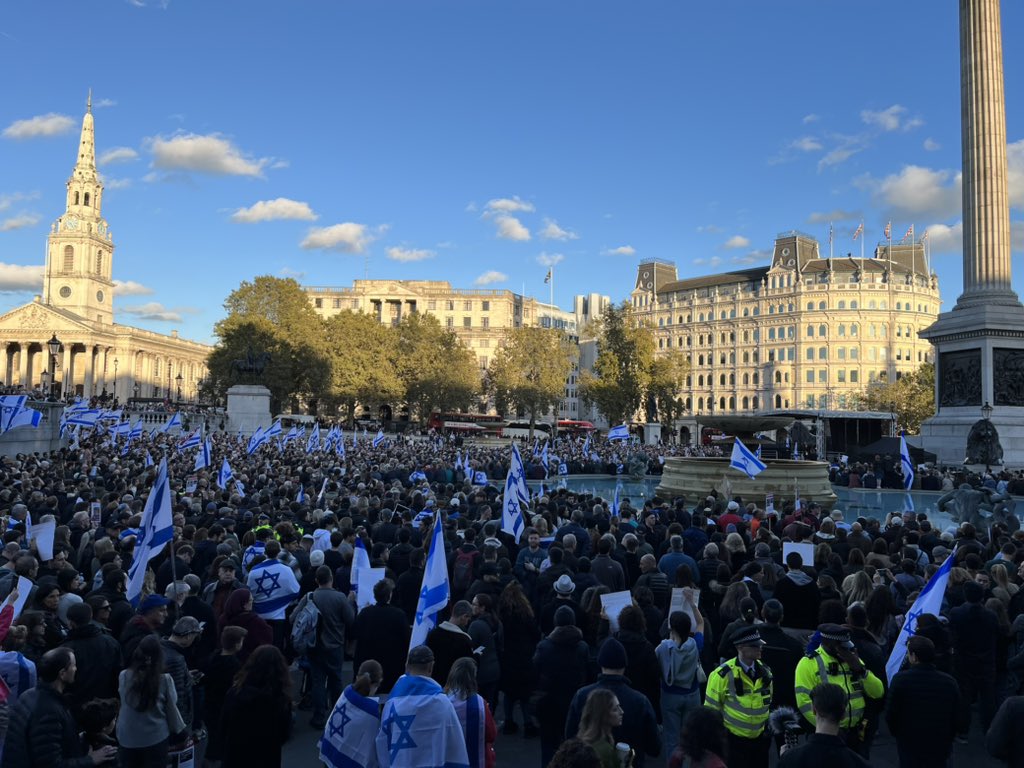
<point>464,570</point>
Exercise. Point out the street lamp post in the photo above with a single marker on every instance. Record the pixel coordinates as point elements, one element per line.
<point>179,378</point>
<point>135,390</point>
<point>115,379</point>
<point>53,346</point>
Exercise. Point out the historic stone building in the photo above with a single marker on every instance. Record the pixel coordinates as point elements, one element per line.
<point>479,317</point>
<point>76,309</point>
<point>804,333</point>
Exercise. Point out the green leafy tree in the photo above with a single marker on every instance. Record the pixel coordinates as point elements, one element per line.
<point>911,397</point>
<point>436,371</point>
<point>667,375</point>
<point>272,315</point>
<point>529,372</point>
<point>364,367</point>
<point>619,383</point>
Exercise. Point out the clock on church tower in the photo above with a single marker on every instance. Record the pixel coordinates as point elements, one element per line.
<point>80,248</point>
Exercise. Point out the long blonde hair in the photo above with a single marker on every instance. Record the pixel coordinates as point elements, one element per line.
<point>594,722</point>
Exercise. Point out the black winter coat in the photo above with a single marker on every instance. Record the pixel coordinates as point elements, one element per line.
<point>642,667</point>
<point>99,662</point>
<point>639,726</point>
<point>922,712</point>
<point>560,664</point>
<point>42,733</point>
<point>382,633</point>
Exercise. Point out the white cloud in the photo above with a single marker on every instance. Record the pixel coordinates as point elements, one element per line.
<point>117,183</point>
<point>6,201</point>
<point>117,155</point>
<point>154,310</point>
<point>294,274</point>
<point>917,193</point>
<point>470,207</point>
<point>807,144</point>
<point>102,103</point>
<point>714,261</point>
<point>19,222</point>
<point>552,231</point>
<point>130,288</point>
<point>736,241</point>
<point>509,205</point>
<point>754,257</point>
<point>1015,161</point>
<point>931,145</point>
<point>622,250</point>
<point>811,118</point>
<point>204,154</point>
<point>847,147</point>
<point>40,125</point>
<point>945,239</point>
<point>271,210</point>
<point>347,237</point>
<point>837,214</point>
<point>888,119</point>
<point>409,254</point>
<point>15,278</point>
<point>491,277</point>
<point>710,229</point>
<point>549,259</point>
<point>511,228</point>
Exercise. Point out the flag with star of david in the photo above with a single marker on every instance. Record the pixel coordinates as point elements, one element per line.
<point>350,735</point>
<point>434,590</point>
<point>419,728</point>
<point>516,498</point>
<point>273,586</point>
<point>156,529</point>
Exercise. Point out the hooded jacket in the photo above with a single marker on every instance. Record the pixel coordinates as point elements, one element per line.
<point>679,664</point>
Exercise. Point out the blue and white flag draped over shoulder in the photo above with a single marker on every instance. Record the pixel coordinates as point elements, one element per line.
<point>473,719</point>
<point>434,590</point>
<point>313,443</point>
<point>174,421</point>
<point>378,438</point>
<point>274,588</point>
<point>908,465</point>
<point>929,601</point>
<point>203,456</point>
<point>516,497</point>
<point>156,529</point>
<point>224,476</point>
<point>419,728</point>
<point>745,461</point>
<point>350,735</point>
<point>620,432</point>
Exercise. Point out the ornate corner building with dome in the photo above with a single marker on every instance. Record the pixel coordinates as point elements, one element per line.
<point>96,356</point>
<point>805,333</point>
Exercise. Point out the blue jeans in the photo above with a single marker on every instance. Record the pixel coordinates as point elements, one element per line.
<point>674,708</point>
<point>325,673</point>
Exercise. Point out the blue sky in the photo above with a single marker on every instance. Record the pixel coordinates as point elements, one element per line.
<point>480,141</point>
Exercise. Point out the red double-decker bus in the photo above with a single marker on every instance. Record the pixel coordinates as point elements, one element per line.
<point>466,423</point>
<point>575,428</point>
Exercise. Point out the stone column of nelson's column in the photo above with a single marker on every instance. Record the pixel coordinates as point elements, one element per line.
<point>985,330</point>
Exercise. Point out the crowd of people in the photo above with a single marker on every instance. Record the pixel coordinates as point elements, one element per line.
<point>720,632</point>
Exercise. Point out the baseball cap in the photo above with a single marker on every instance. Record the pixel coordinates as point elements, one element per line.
<point>188,625</point>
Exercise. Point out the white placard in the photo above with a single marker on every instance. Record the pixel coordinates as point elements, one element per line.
<point>368,578</point>
<point>769,504</point>
<point>680,603</point>
<point>42,534</point>
<point>805,550</point>
<point>613,604</point>
<point>24,587</point>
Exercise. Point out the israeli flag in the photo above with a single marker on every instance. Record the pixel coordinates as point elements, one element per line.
<point>135,433</point>
<point>544,459</point>
<point>224,476</point>
<point>615,500</point>
<point>292,434</point>
<point>620,432</point>
<point>458,460</point>
<point>908,465</point>
<point>174,421</point>
<point>274,430</point>
<point>434,594</point>
<point>379,438</point>
<point>26,417</point>
<point>10,405</point>
<point>745,461</point>
<point>479,478</point>
<point>758,453</point>
<point>274,587</point>
<point>419,728</point>
<point>341,445</point>
<point>416,477</point>
<point>149,460</point>
<point>193,440</point>
<point>929,601</point>
<point>350,735</point>
<point>156,530</point>
<point>82,418</point>
<point>516,497</point>
<point>586,445</point>
<point>323,490</point>
<point>300,497</point>
<point>360,561</point>
<point>258,438</point>
<point>563,468</point>
<point>313,443</point>
<point>203,459</point>
<point>239,488</point>
<point>355,437</point>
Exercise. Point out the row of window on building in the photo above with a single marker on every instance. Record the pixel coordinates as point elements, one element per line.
<point>773,309</point>
<point>843,330</point>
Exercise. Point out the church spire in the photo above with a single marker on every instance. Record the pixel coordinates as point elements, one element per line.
<point>85,167</point>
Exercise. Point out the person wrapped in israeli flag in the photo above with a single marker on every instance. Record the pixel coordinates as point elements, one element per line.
<point>273,585</point>
<point>745,461</point>
<point>350,735</point>
<point>419,727</point>
<point>906,463</point>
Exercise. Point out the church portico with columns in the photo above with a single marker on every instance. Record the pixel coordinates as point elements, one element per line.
<point>65,342</point>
